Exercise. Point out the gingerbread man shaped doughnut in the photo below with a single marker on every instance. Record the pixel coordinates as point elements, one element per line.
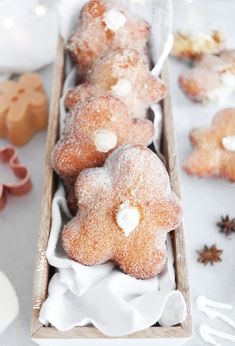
<point>94,128</point>
<point>105,25</point>
<point>125,74</point>
<point>212,79</point>
<point>126,209</point>
<point>214,148</point>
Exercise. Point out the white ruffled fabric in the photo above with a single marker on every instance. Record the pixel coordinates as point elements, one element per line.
<point>102,295</point>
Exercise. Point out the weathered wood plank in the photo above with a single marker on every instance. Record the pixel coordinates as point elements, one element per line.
<point>41,267</point>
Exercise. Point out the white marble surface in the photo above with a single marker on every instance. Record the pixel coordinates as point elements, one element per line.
<point>204,200</point>
<point>18,234</point>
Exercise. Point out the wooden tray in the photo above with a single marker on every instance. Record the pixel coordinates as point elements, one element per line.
<point>42,268</point>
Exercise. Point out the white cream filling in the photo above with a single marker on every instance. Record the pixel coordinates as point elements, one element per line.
<point>105,140</point>
<point>228,79</point>
<point>114,20</point>
<point>127,218</point>
<point>219,94</point>
<point>229,143</point>
<point>122,87</point>
<point>226,88</point>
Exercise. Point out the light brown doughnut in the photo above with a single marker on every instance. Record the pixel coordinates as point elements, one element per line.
<point>210,157</point>
<point>132,178</point>
<point>96,35</point>
<point>125,74</point>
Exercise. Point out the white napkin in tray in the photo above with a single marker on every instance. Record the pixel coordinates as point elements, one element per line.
<point>114,302</point>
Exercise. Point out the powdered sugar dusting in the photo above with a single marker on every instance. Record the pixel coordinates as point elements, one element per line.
<point>211,79</point>
<point>125,74</point>
<point>92,38</point>
<point>77,150</point>
<point>210,158</point>
<point>134,175</point>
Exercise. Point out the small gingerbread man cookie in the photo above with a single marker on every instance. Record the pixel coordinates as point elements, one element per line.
<point>126,209</point>
<point>23,108</point>
<point>212,79</point>
<point>93,130</point>
<point>125,74</point>
<point>214,148</point>
<point>105,25</point>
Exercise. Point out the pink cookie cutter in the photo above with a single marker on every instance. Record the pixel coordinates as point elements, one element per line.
<point>9,155</point>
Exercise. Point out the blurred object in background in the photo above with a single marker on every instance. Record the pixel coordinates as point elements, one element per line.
<point>9,306</point>
<point>200,16</point>
<point>192,46</point>
<point>28,35</point>
<point>212,79</point>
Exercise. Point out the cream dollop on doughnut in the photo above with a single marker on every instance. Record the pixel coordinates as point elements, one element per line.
<point>228,79</point>
<point>229,143</point>
<point>114,20</point>
<point>127,218</point>
<point>122,87</point>
<point>105,140</point>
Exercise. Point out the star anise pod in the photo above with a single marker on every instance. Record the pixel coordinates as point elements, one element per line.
<point>209,254</point>
<point>226,225</point>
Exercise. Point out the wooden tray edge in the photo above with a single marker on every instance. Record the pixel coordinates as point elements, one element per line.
<point>42,268</point>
